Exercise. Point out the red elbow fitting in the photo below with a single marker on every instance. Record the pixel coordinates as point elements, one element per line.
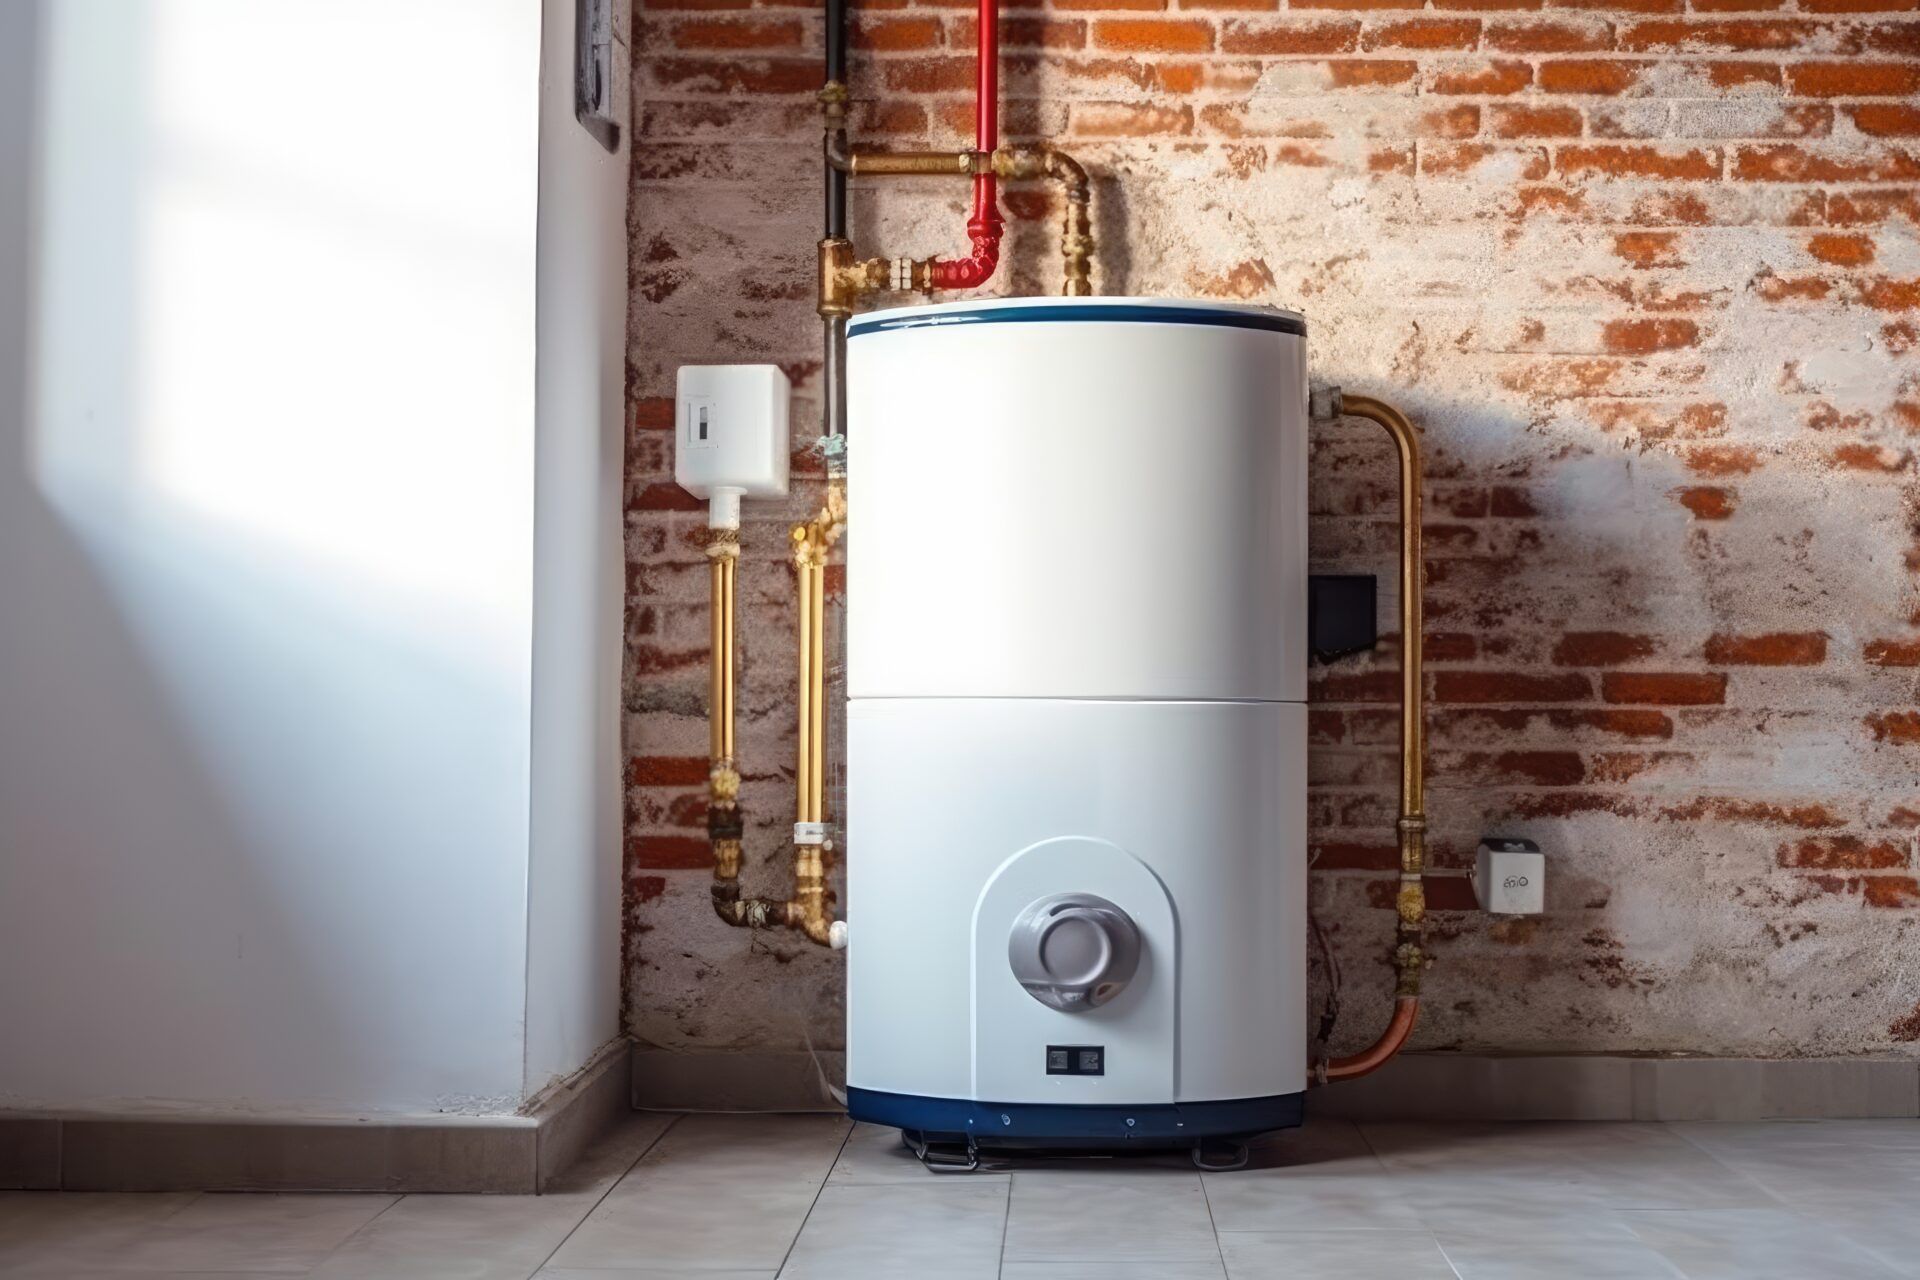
<point>984,226</point>
<point>984,230</point>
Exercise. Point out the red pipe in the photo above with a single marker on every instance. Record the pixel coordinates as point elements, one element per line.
<point>984,225</point>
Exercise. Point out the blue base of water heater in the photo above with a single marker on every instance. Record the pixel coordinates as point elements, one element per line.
<point>1030,1124</point>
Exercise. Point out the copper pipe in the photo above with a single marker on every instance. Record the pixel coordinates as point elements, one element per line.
<point>730,566</point>
<point>817,729</point>
<point>718,672</point>
<point>803,766</point>
<point>1375,1055</point>
<point>1409,957</point>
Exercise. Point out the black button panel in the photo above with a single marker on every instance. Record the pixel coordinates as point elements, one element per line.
<point>1076,1060</point>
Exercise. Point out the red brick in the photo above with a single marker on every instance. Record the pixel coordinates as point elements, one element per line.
<point>1666,689</point>
<point>1510,686</point>
<point>664,495</point>
<point>1622,161</point>
<point>897,33</point>
<point>1843,853</point>
<point>1749,35</point>
<point>1900,727</point>
<point>1854,79</point>
<point>1773,649</point>
<point>1590,75</point>
<point>669,853</point>
<point>1129,120</point>
<point>1505,121</point>
<point>653,413</point>
<point>1283,36</point>
<point>667,771</point>
<point>1367,73</point>
<point>1708,502</point>
<point>1869,457</point>
<point>1892,653</point>
<point>1766,813</point>
<point>1494,77</point>
<point>1507,502</point>
<point>1892,892</point>
<point>1791,162</point>
<point>718,33</point>
<point>1153,35</point>
<point>1423,33</point>
<point>1368,686</point>
<point>739,75</point>
<point>1644,337</point>
<point>1549,35</point>
<point>1841,250</point>
<point>1722,460</point>
<point>1601,648</point>
<point>1444,893</point>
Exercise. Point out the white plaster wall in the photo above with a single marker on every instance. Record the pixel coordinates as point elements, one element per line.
<point>573,921</point>
<point>268,554</point>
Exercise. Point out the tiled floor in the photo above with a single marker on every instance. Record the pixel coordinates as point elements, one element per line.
<point>740,1197</point>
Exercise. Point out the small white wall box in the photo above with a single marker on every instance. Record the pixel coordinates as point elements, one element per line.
<point>1510,876</point>
<point>730,434</point>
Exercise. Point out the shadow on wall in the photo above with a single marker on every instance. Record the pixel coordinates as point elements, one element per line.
<point>250,854</point>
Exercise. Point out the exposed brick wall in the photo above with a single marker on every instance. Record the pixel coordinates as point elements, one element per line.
<point>1647,275</point>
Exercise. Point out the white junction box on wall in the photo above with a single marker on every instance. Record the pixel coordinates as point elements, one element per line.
<point>730,435</point>
<point>1510,876</point>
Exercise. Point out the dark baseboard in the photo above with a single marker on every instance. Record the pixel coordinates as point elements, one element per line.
<point>1414,1086</point>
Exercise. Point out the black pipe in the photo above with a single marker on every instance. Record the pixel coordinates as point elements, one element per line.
<point>834,367</point>
<point>836,137</point>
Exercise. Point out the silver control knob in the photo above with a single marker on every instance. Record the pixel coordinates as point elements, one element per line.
<point>1074,951</point>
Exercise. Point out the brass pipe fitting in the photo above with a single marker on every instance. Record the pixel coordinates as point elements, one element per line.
<point>844,280</point>
<point>961,164</point>
<point>1410,900</point>
<point>1076,233</point>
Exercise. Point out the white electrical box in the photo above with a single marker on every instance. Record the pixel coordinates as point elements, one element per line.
<point>1510,876</point>
<point>730,434</point>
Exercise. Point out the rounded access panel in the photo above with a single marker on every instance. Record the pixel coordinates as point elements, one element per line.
<point>1074,951</point>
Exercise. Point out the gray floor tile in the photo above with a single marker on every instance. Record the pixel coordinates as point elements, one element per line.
<point>240,1231</point>
<point>55,1228</point>
<point>716,1192</point>
<point>874,1154</point>
<point>1750,1244</point>
<point>947,1228</point>
<point>1322,1148</point>
<point>1113,1271</point>
<point>1258,1201</point>
<point>459,1237</point>
<point>1120,1215</point>
<point>1483,1257</point>
<point>1619,1165</point>
<point>1333,1255</point>
<point>647,1273</point>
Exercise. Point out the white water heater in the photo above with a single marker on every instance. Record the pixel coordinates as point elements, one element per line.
<point>1076,756</point>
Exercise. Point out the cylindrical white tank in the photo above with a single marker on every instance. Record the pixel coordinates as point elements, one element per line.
<point>1076,757</point>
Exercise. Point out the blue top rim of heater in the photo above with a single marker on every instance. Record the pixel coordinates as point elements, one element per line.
<point>1062,310</point>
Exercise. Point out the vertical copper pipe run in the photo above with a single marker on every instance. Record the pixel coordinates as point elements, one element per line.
<point>817,630</point>
<point>803,763</point>
<point>1410,901</point>
<point>724,826</point>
